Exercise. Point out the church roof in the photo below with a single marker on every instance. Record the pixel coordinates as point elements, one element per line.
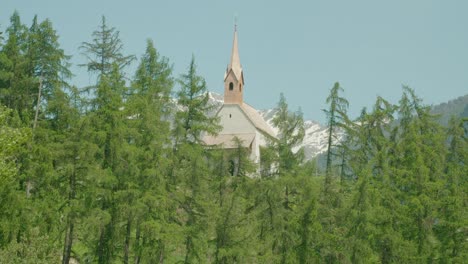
<point>257,120</point>
<point>228,142</point>
<point>254,117</point>
<point>235,64</point>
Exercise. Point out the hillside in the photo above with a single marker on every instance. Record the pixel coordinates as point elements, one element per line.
<point>456,107</point>
<point>315,140</point>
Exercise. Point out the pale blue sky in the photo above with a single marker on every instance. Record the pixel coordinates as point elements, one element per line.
<point>299,48</point>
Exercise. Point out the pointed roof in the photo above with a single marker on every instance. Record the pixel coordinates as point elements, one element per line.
<point>227,140</point>
<point>254,117</point>
<point>235,65</point>
<point>257,120</point>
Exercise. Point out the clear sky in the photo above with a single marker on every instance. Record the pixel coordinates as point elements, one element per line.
<point>298,47</point>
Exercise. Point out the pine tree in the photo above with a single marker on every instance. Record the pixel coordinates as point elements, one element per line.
<point>235,232</point>
<point>307,224</point>
<point>48,64</point>
<point>149,106</point>
<point>290,135</point>
<point>105,50</point>
<point>193,121</point>
<point>331,201</point>
<point>371,150</point>
<point>11,140</point>
<point>111,163</point>
<point>190,168</point>
<point>452,214</point>
<point>278,195</point>
<point>74,164</point>
<point>336,114</point>
<point>418,161</point>
<point>15,81</point>
<point>29,55</point>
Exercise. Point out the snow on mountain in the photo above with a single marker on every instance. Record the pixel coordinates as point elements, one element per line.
<point>315,139</point>
<point>216,99</point>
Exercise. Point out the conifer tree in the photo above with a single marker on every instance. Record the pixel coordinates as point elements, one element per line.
<point>149,106</point>
<point>48,64</point>
<point>15,81</point>
<point>331,202</point>
<point>336,114</point>
<point>105,50</point>
<point>235,232</point>
<point>190,169</point>
<point>453,216</point>
<point>11,139</point>
<point>74,165</point>
<point>111,163</point>
<point>419,155</point>
<point>114,158</point>
<point>278,194</point>
<point>291,133</point>
<point>193,121</point>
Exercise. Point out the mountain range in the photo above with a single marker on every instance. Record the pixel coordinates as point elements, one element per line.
<point>315,139</point>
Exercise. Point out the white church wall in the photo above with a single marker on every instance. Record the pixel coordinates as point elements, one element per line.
<point>234,121</point>
<point>259,141</point>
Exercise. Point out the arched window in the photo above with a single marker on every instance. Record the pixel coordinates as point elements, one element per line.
<point>240,87</point>
<point>231,86</point>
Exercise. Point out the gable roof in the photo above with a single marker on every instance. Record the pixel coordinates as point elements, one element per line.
<point>228,142</point>
<point>254,117</point>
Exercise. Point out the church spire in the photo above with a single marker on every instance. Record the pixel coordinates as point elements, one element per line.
<point>235,59</point>
<point>234,77</point>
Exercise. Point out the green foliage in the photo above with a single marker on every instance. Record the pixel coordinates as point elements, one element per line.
<point>11,139</point>
<point>193,120</point>
<point>336,118</point>
<point>105,50</point>
<point>291,133</point>
<point>122,176</point>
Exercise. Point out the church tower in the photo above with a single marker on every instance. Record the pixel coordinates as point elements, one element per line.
<point>234,77</point>
<point>240,122</point>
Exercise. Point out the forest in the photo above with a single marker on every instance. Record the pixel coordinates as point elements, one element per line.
<point>117,172</point>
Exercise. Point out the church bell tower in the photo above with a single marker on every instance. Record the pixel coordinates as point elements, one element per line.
<point>234,77</point>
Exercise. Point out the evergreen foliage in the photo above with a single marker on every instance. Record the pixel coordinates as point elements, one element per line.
<point>121,175</point>
<point>105,50</point>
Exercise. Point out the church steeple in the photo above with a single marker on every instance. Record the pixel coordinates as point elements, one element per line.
<point>234,77</point>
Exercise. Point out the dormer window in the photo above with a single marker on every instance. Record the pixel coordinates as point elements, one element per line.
<point>231,86</point>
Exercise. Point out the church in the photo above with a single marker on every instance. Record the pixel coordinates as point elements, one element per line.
<point>237,118</point>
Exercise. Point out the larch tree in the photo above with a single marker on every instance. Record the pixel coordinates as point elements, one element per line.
<point>453,215</point>
<point>15,82</point>
<point>278,195</point>
<point>331,202</point>
<point>418,159</point>
<point>149,107</point>
<point>290,134</point>
<point>11,139</point>
<point>190,168</point>
<point>335,115</point>
<point>193,120</point>
<point>235,233</point>
<point>105,50</point>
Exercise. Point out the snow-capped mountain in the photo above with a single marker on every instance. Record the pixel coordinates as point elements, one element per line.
<point>315,139</point>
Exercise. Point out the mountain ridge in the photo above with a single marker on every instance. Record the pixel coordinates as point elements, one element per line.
<point>315,138</point>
